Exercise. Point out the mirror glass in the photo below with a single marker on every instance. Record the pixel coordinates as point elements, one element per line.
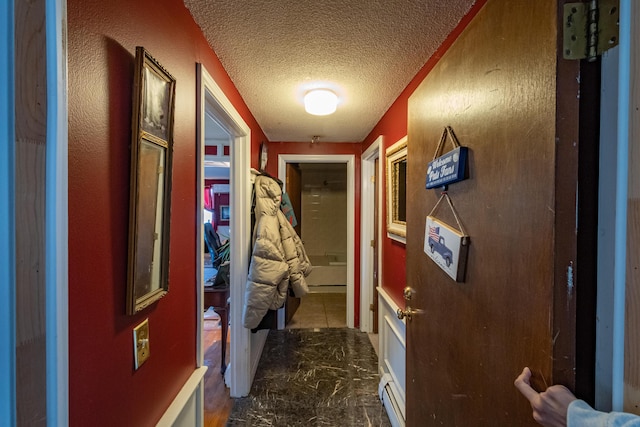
<point>397,190</point>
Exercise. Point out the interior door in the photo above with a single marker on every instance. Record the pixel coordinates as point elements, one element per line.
<point>515,106</point>
<point>294,190</point>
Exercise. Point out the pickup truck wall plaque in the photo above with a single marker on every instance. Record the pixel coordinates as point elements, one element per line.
<point>447,247</point>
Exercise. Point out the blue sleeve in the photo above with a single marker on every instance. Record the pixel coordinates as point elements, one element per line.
<point>582,415</point>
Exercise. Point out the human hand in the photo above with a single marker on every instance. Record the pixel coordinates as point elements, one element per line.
<point>550,406</point>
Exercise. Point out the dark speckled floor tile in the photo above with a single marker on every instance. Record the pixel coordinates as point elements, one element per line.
<point>321,377</point>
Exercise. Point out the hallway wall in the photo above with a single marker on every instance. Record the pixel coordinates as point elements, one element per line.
<point>102,36</point>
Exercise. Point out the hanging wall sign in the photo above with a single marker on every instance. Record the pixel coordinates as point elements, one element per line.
<point>450,167</point>
<point>445,245</point>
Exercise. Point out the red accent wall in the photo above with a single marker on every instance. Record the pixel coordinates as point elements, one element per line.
<point>392,127</point>
<point>320,148</point>
<point>104,389</point>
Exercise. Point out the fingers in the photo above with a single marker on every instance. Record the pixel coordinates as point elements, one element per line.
<point>523,385</point>
<point>525,376</point>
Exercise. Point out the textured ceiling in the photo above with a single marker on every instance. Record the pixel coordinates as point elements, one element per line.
<point>366,51</point>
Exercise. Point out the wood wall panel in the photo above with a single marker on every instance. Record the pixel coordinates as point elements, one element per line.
<point>31,116</point>
<point>632,321</point>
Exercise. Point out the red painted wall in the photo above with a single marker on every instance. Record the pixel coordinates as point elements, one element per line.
<point>323,148</point>
<point>392,127</point>
<point>102,36</point>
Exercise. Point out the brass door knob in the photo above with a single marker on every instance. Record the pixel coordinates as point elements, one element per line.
<point>407,312</point>
<point>408,293</point>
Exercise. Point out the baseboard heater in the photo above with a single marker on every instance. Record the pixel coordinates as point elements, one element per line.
<point>385,390</point>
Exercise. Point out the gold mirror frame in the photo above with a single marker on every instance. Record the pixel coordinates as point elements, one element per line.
<point>396,174</point>
<point>150,182</point>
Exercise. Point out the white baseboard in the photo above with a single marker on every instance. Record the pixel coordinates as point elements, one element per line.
<point>186,408</point>
<point>257,344</point>
<point>392,357</point>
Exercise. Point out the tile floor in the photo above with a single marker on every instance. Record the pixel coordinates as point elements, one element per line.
<point>324,310</point>
<point>320,310</point>
<point>313,377</point>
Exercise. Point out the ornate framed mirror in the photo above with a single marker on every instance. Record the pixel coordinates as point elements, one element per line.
<point>397,190</point>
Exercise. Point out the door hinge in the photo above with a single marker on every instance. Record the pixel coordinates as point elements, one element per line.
<point>371,307</point>
<point>589,29</point>
<point>373,179</point>
<point>373,243</point>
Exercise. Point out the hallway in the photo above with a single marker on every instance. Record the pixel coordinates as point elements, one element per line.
<point>300,360</point>
<point>314,377</point>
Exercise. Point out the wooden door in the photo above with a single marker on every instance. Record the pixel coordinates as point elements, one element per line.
<point>30,210</point>
<point>515,106</point>
<point>294,190</point>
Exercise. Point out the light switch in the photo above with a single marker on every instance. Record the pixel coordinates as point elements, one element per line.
<point>141,343</point>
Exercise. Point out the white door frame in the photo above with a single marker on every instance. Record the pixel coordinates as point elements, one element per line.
<point>625,80</point>
<point>245,348</point>
<point>367,232</point>
<point>349,160</point>
<point>56,216</point>
<point>7,218</point>
<point>612,213</point>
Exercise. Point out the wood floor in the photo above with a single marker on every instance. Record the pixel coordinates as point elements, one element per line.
<point>217,403</point>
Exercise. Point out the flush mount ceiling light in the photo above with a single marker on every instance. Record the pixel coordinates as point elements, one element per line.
<point>320,102</point>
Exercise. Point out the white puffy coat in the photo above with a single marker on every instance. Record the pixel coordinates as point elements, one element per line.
<point>278,260</point>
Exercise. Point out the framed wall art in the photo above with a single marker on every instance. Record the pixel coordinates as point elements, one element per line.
<point>150,182</point>
<point>397,190</point>
<point>446,246</point>
<point>225,214</point>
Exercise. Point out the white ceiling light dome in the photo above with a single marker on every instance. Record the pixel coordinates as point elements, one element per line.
<point>320,102</point>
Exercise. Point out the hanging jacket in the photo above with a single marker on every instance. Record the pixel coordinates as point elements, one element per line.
<point>278,259</point>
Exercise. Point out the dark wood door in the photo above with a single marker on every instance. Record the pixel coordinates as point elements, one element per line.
<point>515,106</point>
<point>294,190</point>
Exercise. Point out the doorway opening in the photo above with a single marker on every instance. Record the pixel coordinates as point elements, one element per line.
<point>216,261</point>
<point>321,195</point>
<point>244,348</point>
<point>329,241</point>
